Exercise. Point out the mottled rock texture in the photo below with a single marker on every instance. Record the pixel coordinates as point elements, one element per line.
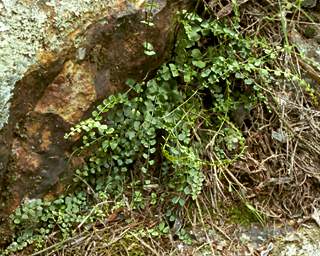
<point>67,56</point>
<point>303,242</point>
<point>30,30</point>
<point>309,3</point>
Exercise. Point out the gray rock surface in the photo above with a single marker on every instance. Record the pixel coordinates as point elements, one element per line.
<point>303,242</point>
<point>309,3</point>
<point>30,29</point>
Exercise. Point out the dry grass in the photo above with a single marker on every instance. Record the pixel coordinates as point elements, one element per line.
<point>281,174</point>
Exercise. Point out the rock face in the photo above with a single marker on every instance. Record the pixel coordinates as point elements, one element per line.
<point>303,242</point>
<point>309,3</point>
<point>35,30</point>
<point>58,59</point>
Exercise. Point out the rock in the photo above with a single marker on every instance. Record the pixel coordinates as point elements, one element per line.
<point>34,28</point>
<point>310,48</point>
<point>309,3</point>
<point>303,242</point>
<point>57,60</point>
<point>310,31</point>
<point>70,94</point>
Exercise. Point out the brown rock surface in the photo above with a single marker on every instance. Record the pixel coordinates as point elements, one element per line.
<point>71,93</point>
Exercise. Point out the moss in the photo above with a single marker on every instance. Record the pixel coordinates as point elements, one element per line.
<point>242,215</point>
<point>310,32</point>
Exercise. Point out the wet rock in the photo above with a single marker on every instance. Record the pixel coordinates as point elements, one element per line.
<point>57,60</point>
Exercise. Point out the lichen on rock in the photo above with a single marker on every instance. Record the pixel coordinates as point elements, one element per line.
<point>22,32</point>
<point>29,28</point>
<point>303,242</point>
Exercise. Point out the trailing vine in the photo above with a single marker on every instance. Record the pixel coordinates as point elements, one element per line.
<point>160,137</point>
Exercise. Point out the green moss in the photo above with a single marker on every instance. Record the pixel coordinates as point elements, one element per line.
<point>310,32</point>
<point>243,215</point>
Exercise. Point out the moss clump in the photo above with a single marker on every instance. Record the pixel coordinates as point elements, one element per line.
<point>310,32</point>
<point>245,216</point>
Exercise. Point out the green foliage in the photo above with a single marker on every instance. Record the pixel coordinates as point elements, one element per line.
<point>161,137</point>
<point>184,236</point>
<point>160,230</point>
<point>245,214</point>
<point>36,219</point>
<point>148,49</point>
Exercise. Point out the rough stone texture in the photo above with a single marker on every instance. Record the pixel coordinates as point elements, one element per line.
<point>68,56</point>
<point>303,242</point>
<point>307,40</point>
<point>70,94</point>
<point>309,3</point>
<point>29,28</point>
<point>307,46</point>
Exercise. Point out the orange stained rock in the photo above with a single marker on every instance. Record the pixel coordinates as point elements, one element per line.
<point>27,161</point>
<point>71,93</point>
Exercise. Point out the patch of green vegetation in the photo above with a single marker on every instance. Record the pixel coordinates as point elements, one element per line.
<point>154,144</point>
<point>310,31</point>
<point>245,215</point>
